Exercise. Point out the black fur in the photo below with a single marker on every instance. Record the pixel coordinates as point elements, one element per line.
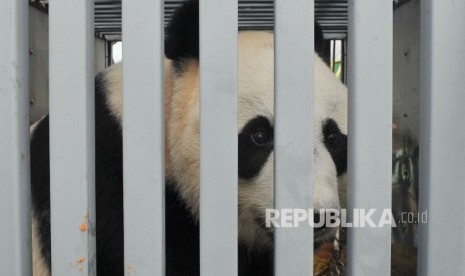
<point>109,186</point>
<point>182,232</point>
<point>252,157</point>
<point>108,177</point>
<point>40,185</point>
<point>182,35</point>
<point>320,42</point>
<point>336,143</point>
<point>182,39</point>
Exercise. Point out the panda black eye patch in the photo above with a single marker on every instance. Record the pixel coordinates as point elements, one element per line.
<point>255,146</point>
<point>336,143</point>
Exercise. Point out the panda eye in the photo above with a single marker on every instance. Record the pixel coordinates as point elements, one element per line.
<point>259,138</point>
<point>333,139</point>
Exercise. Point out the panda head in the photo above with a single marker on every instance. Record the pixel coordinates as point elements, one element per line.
<point>255,126</point>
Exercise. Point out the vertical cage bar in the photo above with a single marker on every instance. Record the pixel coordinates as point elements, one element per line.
<point>72,142</point>
<point>143,137</point>
<point>218,137</point>
<point>370,133</point>
<point>15,237</point>
<point>294,132</point>
<point>442,134</point>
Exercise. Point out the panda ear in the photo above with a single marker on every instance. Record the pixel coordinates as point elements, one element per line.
<point>182,33</point>
<point>320,42</point>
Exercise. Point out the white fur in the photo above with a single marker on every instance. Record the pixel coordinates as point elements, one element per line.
<point>34,126</point>
<point>255,97</point>
<point>114,89</point>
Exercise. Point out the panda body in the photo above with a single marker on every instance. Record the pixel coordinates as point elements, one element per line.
<point>255,121</point>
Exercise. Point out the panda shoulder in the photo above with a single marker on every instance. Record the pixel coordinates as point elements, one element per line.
<point>109,89</point>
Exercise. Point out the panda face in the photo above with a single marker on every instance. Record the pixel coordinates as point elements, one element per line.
<point>255,124</point>
<point>255,135</point>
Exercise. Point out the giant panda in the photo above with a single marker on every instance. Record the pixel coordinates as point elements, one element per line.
<point>255,168</point>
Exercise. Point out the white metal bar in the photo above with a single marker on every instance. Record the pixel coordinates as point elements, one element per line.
<point>370,132</point>
<point>294,131</point>
<point>15,237</point>
<point>143,137</point>
<point>218,137</point>
<point>72,143</point>
<point>442,136</point>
